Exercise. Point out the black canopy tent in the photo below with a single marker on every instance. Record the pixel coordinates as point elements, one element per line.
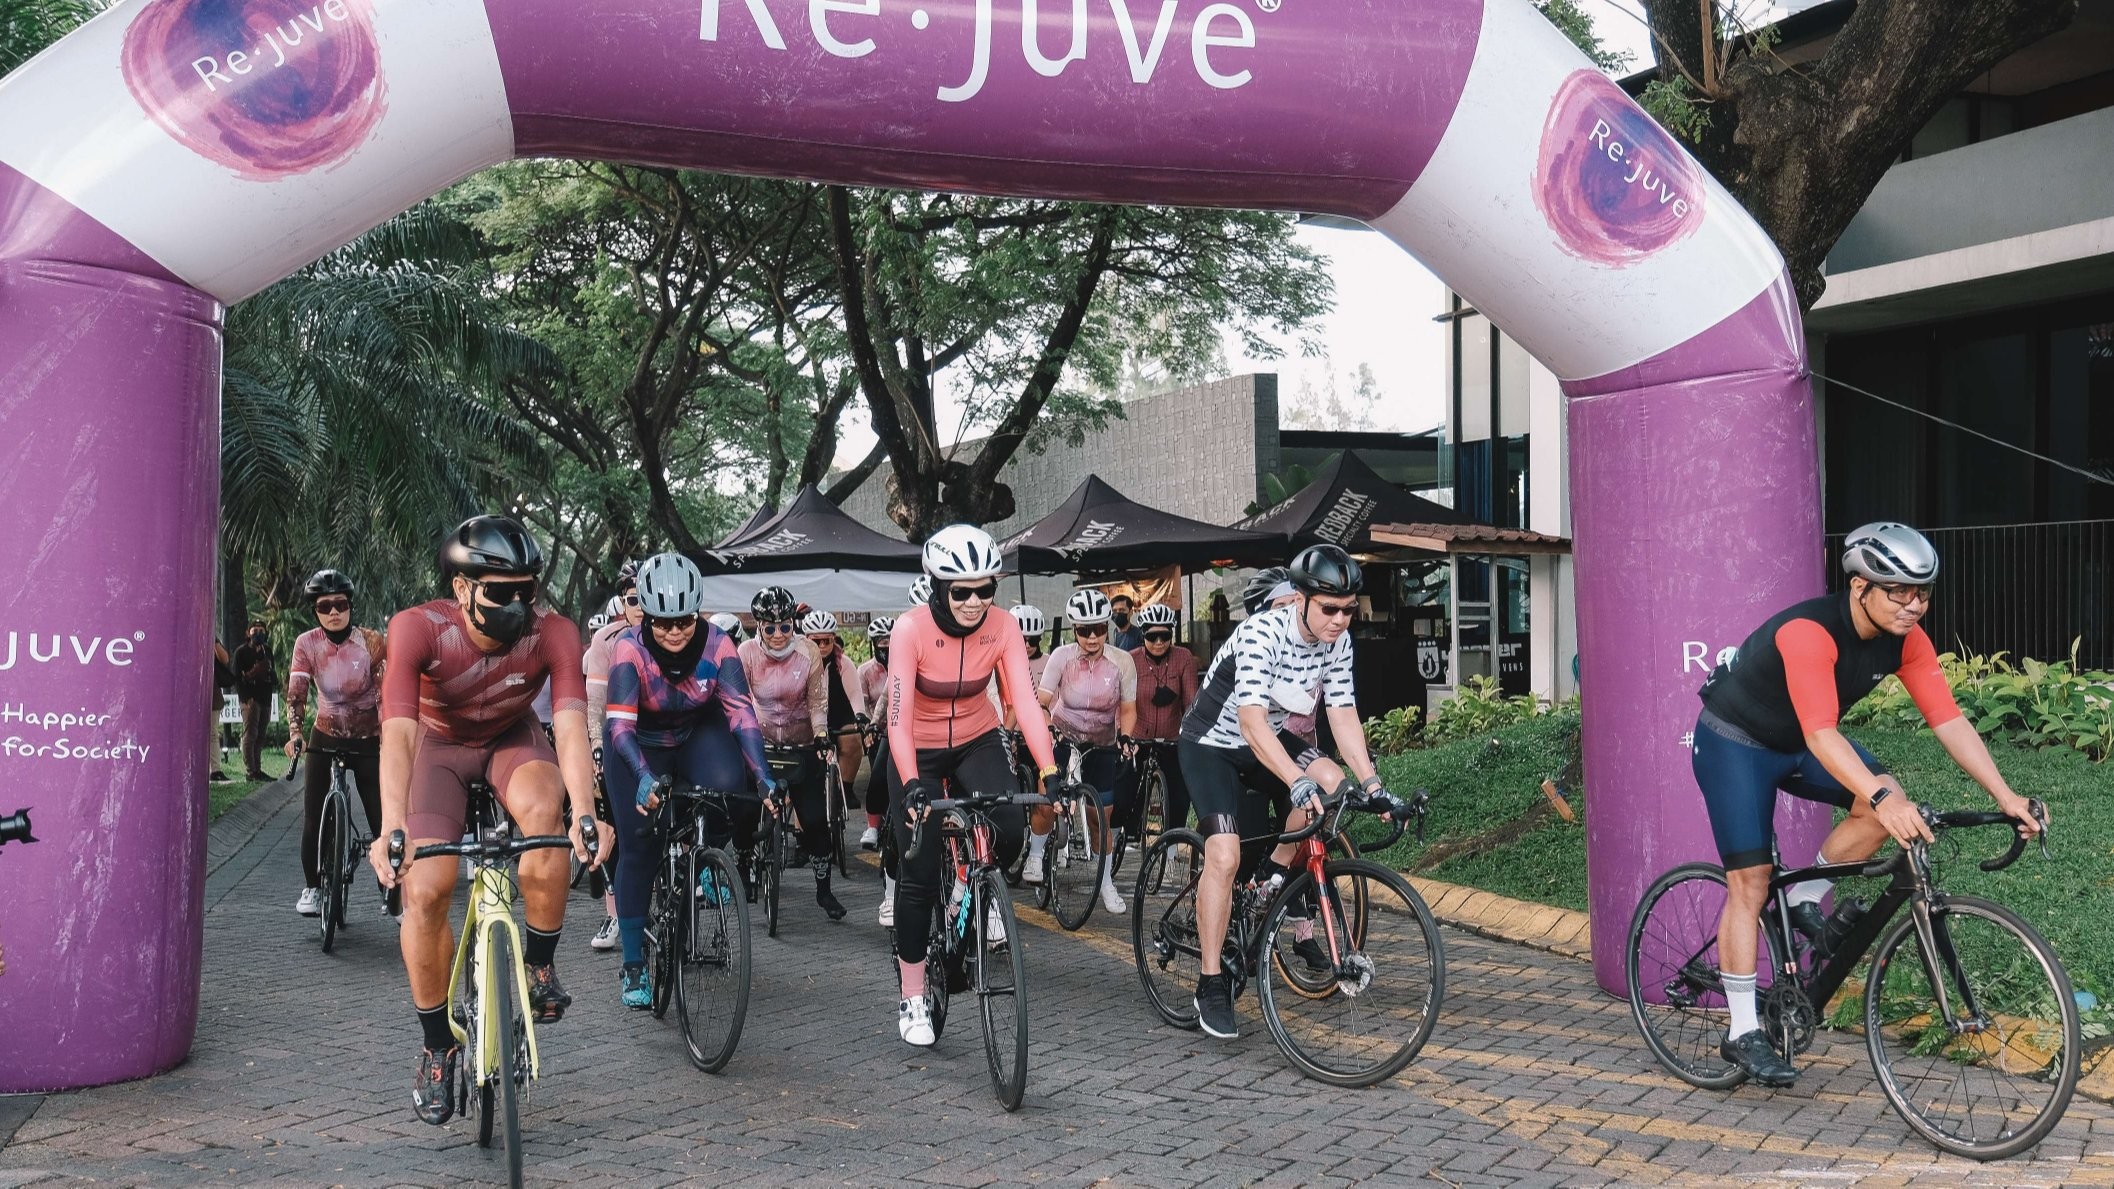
<point>811,533</point>
<point>1341,506</point>
<point>763,515</point>
<point>1098,529</point>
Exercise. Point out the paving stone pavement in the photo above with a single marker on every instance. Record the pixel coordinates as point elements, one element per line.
<point>301,1074</point>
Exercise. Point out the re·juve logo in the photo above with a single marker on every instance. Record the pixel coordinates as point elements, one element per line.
<point>1612,184</point>
<point>267,88</point>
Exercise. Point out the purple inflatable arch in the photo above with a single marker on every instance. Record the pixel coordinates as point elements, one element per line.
<point>174,156</point>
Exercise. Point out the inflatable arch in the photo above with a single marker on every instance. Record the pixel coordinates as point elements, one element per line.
<point>174,156</point>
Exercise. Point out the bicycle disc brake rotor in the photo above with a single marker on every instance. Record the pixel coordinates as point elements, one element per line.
<point>1355,975</point>
<point>1784,1002</point>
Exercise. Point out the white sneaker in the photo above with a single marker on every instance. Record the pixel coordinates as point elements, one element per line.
<point>871,839</point>
<point>1111,899</point>
<point>914,1022</point>
<point>888,902</point>
<point>310,904</point>
<point>995,927</point>
<point>605,938</point>
<point>1032,872</point>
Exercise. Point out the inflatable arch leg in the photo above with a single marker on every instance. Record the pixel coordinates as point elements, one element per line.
<point>177,154</point>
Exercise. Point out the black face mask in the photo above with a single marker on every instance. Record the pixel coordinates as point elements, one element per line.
<point>881,655</point>
<point>504,624</point>
<point>340,636</point>
<point>1163,697</point>
<point>676,663</point>
<point>1122,619</point>
<point>257,639</point>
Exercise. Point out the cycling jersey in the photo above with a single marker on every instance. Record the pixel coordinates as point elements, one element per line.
<point>647,711</point>
<point>937,688</point>
<point>873,684</point>
<point>1796,673</point>
<point>790,691</point>
<point>1268,662</point>
<point>847,701</point>
<point>1160,714</point>
<point>466,695</point>
<point>594,667</point>
<point>1089,691</point>
<point>347,680</point>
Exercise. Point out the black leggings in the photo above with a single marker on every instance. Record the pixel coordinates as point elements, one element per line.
<point>364,758</point>
<point>978,766</point>
<point>1177,814</point>
<point>799,773</point>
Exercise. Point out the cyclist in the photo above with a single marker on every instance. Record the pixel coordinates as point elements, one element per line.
<point>1090,690</point>
<point>873,686</point>
<point>1167,685</point>
<point>679,707</point>
<point>344,663</point>
<point>620,613</point>
<point>729,625</point>
<point>1032,626</point>
<point>791,692</point>
<point>941,725</point>
<point>1234,736</point>
<point>921,590</point>
<point>847,698</point>
<point>455,708</point>
<point>1769,722</point>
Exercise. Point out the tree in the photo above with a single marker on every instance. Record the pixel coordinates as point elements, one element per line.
<point>1803,145</point>
<point>1329,407</point>
<point>27,26</point>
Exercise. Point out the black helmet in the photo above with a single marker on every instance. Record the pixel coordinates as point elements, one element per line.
<point>1327,570</point>
<point>328,582</point>
<point>774,604</point>
<point>491,546</point>
<point>1256,594</point>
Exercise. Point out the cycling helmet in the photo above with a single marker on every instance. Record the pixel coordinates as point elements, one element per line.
<point>670,586</point>
<point>1087,606</point>
<point>491,547</point>
<point>596,623</point>
<point>921,590</point>
<point>328,582</point>
<point>773,604</point>
<point>729,625</point>
<point>1156,615</point>
<point>879,627</point>
<point>1887,552</point>
<point>962,552</point>
<point>1030,619</point>
<point>627,576</point>
<point>818,623</point>
<point>613,609</point>
<point>1327,570</point>
<point>1261,588</point>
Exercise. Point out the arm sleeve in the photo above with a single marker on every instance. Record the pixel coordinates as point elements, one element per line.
<point>561,652</point>
<point>1925,681</point>
<point>297,678</point>
<point>901,692</point>
<point>1338,687</point>
<point>1020,692</point>
<point>1186,680</point>
<point>848,674</point>
<point>733,694</point>
<point>1053,669</point>
<point>1127,672</point>
<point>413,646</point>
<point>619,735</point>
<point>1809,673</point>
<point>1252,659</point>
<point>595,673</point>
<point>817,691</point>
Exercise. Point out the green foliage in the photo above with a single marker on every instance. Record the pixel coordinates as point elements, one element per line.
<point>1394,732</point>
<point>1678,107</point>
<point>2037,704</point>
<point>1479,707</point>
<point>28,26</point>
<point>1475,787</point>
<point>1576,24</point>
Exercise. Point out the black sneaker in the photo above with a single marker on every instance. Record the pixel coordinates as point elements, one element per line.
<point>433,1091</point>
<point>827,899</point>
<point>1809,924</point>
<point>1758,1059</point>
<point>1214,1007</point>
<point>547,997</point>
<point>1311,953</point>
<point>748,877</point>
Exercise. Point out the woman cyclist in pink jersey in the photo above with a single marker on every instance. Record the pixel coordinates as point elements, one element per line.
<point>791,692</point>
<point>1091,693</point>
<point>942,725</point>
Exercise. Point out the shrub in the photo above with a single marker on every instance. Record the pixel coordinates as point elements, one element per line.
<point>2032,704</point>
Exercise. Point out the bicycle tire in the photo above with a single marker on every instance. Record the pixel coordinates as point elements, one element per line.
<point>1670,963</point>
<point>507,1022</point>
<point>1001,988</point>
<point>771,856</point>
<point>712,986</point>
<point>2022,1057</point>
<point>661,911</point>
<point>1389,985</point>
<point>349,865</point>
<point>330,868</point>
<point>1074,871</point>
<point>1046,864</point>
<point>1163,928</point>
<point>936,968</point>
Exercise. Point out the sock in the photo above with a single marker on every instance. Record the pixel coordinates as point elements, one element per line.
<point>888,887</point>
<point>540,948</point>
<point>873,821</point>
<point>1036,842</point>
<point>913,976</point>
<point>1270,869</point>
<point>632,932</point>
<point>1739,996</point>
<point>1809,891</point>
<point>433,1022</point>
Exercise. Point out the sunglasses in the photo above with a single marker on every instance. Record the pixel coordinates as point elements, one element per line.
<point>683,624</point>
<point>631,600</point>
<point>1903,593</point>
<point>962,594</point>
<point>1337,610</point>
<point>1158,637</point>
<point>502,593</point>
<point>336,606</point>
<point>775,629</point>
<point>1090,630</point>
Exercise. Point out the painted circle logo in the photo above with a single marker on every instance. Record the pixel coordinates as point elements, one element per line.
<point>1612,184</point>
<point>267,88</point>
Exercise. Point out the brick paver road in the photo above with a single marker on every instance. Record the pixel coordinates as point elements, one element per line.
<point>302,1068</point>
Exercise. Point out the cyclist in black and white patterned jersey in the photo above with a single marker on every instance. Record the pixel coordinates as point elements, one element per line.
<point>1235,737</point>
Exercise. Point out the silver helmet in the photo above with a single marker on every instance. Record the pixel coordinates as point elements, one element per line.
<point>1884,551</point>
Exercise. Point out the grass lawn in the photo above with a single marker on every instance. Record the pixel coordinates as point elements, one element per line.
<point>222,797</point>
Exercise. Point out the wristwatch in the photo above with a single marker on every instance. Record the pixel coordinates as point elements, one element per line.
<point>1879,796</point>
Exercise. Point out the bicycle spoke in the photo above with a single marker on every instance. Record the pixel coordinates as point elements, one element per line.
<point>1676,997</point>
<point>1000,986</point>
<point>1163,925</point>
<point>712,991</point>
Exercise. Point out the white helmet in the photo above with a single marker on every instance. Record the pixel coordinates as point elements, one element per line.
<point>670,586</point>
<point>596,623</point>
<point>818,623</point>
<point>921,591</point>
<point>879,626</point>
<point>962,552</point>
<point>1887,552</point>
<point>1087,606</point>
<point>1156,615</point>
<point>1030,619</point>
<point>613,609</point>
<point>728,623</point>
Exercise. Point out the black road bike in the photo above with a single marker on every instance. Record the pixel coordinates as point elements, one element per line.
<point>341,849</point>
<point>697,930</point>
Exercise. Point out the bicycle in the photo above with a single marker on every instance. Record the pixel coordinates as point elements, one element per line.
<point>1075,858</point>
<point>836,796</point>
<point>1365,985</point>
<point>966,953</point>
<point>341,850</point>
<point>777,838</point>
<point>1961,995</point>
<point>488,994</point>
<point>697,930</point>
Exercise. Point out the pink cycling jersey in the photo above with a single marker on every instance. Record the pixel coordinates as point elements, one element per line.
<point>873,684</point>
<point>938,687</point>
<point>466,695</point>
<point>345,676</point>
<point>1089,691</point>
<point>791,692</point>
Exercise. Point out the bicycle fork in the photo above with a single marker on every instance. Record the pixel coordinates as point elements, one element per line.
<point>489,911</point>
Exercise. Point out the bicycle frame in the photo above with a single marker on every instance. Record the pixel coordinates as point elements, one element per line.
<point>491,907</point>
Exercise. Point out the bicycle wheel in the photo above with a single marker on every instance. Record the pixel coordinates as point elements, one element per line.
<point>330,868</point>
<point>663,907</point>
<point>1163,930</point>
<point>1046,866</point>
<point>1384,988</point>
<point>940,940</point>
<point>1001,987</point>
<point>712,989</point>
<point>1671,964</point>
<point>509,1070</point>
<point>770,856</point>
<point>1991,1081</point>
<point>1074,870</point>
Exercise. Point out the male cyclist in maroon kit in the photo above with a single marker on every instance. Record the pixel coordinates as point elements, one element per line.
<point>457,702</point>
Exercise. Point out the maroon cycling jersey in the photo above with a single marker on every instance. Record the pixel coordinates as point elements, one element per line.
<point>463,694</point>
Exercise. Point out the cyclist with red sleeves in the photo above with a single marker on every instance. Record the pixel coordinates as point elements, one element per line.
<point>942,725</point>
